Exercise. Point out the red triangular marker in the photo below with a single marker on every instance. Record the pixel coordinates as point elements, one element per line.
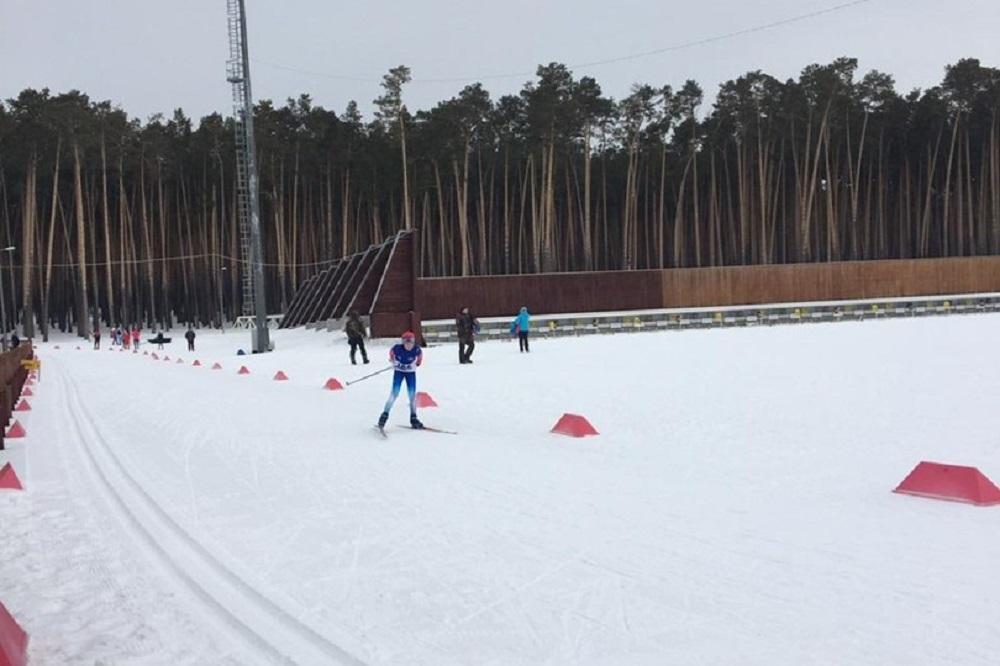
<point>216,366</point>
<point>243,370</point>
<point>333,385</point>
<point>425,400</point>
<point>166,358</point>
<point>23,406</point>
<point>8,479</point>
<point>180,360</point>
<point>27,393</point>
<point>574,425</point>
<point>280,376</point>
<point>15,431</point>
<point>196,362</point>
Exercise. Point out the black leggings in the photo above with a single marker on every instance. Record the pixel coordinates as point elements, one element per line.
<point>465,350</point>
<point>356,344</point>
<point>522,339</point>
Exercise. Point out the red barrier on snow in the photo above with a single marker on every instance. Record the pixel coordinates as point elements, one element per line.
<point>9,480</point>
<point>166,358</point>
<point>29,382</point>
<point>333,385</point>
<point>574,425</point>
<point>180,360</point>
<point>216,366</point>
<point>196,362</point>
<point>243,370</point>
<point>155,357</point>
<point>13,641</point>
<point>425,400</point>
<point>280,376</point>
<point>955,483</point>
<point>27,392</point>
<point>23,406</point>
<point>16,430</point>
<point>145,353</point>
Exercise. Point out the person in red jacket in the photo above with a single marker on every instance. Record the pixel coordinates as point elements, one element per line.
<point>135,337</point>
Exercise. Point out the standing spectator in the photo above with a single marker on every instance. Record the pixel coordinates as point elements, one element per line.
<point>14,340</point>
<point>97,338</point>
<point>126,338</point>
<point>521,326</point>
<point>356,335</point>
<point>467,326</point>
<point>135,337</point>
<point>190,338</point>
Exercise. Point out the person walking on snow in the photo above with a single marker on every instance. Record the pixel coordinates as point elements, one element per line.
<point>135,337</point>
<point>189,336</point>
<point>126,338</point>
<point>97,338</point>
<point>467,326</point>
<point>405,357</point>
<point>521,326</point>
<point>356,334</point>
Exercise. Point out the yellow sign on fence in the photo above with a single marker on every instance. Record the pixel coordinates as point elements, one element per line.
<point>32,364</point>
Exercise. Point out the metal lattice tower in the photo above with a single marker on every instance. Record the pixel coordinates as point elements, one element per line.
<point>247,198</point>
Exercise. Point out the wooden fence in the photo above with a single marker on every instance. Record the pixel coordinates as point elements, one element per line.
<point>12,378</point>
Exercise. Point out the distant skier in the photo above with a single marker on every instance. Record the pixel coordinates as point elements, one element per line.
<point>356,334</point>
<point>97,338</point>
<point>135,337</point>
<point>126,338</point>
<point>189,336</point>
<point>520,327</point>
<point>405,357</point>
<point>467,326</point>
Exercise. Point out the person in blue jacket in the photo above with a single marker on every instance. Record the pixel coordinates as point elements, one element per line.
<point>521,326</point>
<point>405,357</point>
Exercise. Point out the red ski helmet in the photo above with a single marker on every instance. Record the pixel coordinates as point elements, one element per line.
<point>409,335</point>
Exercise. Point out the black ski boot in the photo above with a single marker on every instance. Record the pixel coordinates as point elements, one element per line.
<point>382,419</point>
<point>415,422</point>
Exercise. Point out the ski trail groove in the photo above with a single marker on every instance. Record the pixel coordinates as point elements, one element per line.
<point>257,618</point>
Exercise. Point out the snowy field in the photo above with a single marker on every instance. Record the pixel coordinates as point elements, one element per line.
<point>736,508</point>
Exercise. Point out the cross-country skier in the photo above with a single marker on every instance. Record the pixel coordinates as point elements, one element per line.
<point>97,338</point>
<point>405,357</point>
<point>135,336</point>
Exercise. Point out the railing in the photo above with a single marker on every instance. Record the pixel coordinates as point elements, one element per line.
<point>12,378</point>
<point>442,331</point>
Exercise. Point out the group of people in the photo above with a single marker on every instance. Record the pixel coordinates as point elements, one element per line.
<point>121,336</point>
<point>406,356</point>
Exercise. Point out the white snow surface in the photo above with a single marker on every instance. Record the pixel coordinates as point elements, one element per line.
<point>735,509</point>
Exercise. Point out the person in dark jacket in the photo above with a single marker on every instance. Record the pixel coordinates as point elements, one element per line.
<point>14,340</point>
<point>467,326</point>
<point>189,336</point>
<point>97,338</point>
<point>356,334</point>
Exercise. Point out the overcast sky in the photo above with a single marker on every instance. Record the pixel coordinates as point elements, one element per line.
<point>150,57</point>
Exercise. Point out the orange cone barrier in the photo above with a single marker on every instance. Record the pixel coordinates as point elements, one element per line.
<point>216,366</point>
<point>333,385</point>
<point>243,370</point>
<point>13,641</point>
<point>23,406</point>
<point>955,483</point>
<point>574,425</point>
<point>9,480</point>
<point>425,400</point>
<point>16,430</point>
<point>280,376</point>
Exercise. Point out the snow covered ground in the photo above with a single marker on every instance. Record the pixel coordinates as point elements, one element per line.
<point>736,508</point>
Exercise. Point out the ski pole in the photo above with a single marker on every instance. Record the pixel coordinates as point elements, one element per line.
<point>361,379</point>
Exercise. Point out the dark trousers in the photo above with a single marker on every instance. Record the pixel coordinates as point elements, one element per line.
<point>465,349</point>
<point>190,345</point>
<point>522,339</point>
<point>97,342</point>
<point>356,344</point>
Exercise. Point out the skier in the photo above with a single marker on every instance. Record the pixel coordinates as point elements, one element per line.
<point>356,334</point>
<point>190,338</point>
<point>97,338</point>
<point>135,337</point>
<point>521,326</point>
<point>467,326</point>
<point>405,357</point>
<point>126,338</point>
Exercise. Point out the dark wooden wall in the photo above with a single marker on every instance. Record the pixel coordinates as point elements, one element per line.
<point>558,293</point>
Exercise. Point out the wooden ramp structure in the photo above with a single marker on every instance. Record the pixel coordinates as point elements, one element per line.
<point>379,283</point>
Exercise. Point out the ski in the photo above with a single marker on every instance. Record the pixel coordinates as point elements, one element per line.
<point>382,432</point>
<point>430,429</point>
